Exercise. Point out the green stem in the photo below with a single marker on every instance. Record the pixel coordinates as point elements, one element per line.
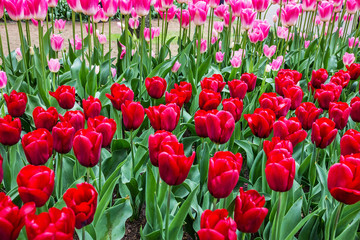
<point>110,48</point>
<point>132,154</point>
<point>54,82</point>
<point>100,173</point>
<point>28,35</point>
<point>338,214</point>
<point>89,41</point>
<point>181,17</point>
<point>2,54</point>
<point>73,27</point>
<point>52,20</point>
<point>23,53</point>
<point>82,37</point>
<point>88,175</point>
<point>198,56</point>
<point>150,46</point>
<point>8,42</point>
<point>59,166</point>
<point>214,203</point>
<point>83,233</point>
<point>142,41</point>
<point>167,237</point>
<point>126,40</point>
<point>47,22</point>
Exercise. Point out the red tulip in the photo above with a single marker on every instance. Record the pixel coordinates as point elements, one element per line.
<point>233,106</point>
<point>327,94</point>
<point>92,107</point>
<point>36,184</point>
<point>209,100</point>
<point>307,113</point>
<point>75,118</point>
<point>276,145</point>
<point>54,224</point>
<point>279,105</point>
<point>224,172</point>
<point>261,122</point>
<point>82,201</point>
<point>63,135</point>
<point>293,74</point>
<point>220,126</point>
<point>16,103</point>
<point>155,87</point>
<point>200,122</point>
<point>237,88</point>
<point>283,81</point>
<point>295,94</point>
<point>339,112</point>
<point>105,126</point>
<point>323,132</point>
<point>65,95</point>
<point>341,78</point>
<point>249,211</point>
<point>350,142</point>
<point>119,94</point>
<point>355,109</point>
<point>10,130</point>
<point>215,83</point>
<point>186,88</point>
<point>318,78</point>
<point>164,117</point>
<point>174,166</point>
<point>155,142</point>
<point>175,96</point>
<point>217,225</point>
<point>133,115</point>
<point>354,70</point>
<point>87,147</point>
<point>289,129</point>
<point>250,80</point>
<point>12,219</point>
<point>280,172</point>
<point>45,118</point>
<point>38,146</point>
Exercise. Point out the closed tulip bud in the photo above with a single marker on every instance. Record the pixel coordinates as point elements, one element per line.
<point>323,132</point>
<point>260,5</point>
<point>186,88</point>
<point>343,178</point>
<point>276,145</point>
<point>341,78</point>
<point>209,99</point>
<point>307,113</point>
<point>233,106</point>
<point>54,65</point>
<point>16,103</point>
<point>354,70</point>
<point>289,129</point>
<point>45,118</point>
<point>63,135</point>
<point>82,200</point>
<point>10,130</point>
<point>219,56</point>
<point>278,104</point>
<point>65,96</point>
<point>75,118</point>
<point>238,88</point>
<point>220,126</point>
<point>164,117</point>
<point>175,96</point>
<point>185,19</point>
<point>224,172</point>
<point>174,166</point>
<point>355,109</point>
<point>339,112</point>
<point>87,147</point>
<point>325,10</point>
<point>350,142</point>
<point>295,94</point>
<point>119,94</point>
<point>176,67</point>
<point>57,42</point>
<point>217,225</point>
<point>261,122</point>
<point>3,79</point>
<point>155,141</point>
<point>249,211</point>
<point>155,87</point>
<point>105,126</point>
<point>247,18</point>
<point>198,12</point>
<point>133,115</point>
<point>327,94</point>
<point>12,219</point>
<point>38,146</point>
<point>92,107</point>
<point>280,172</point>
<point>53,223</point>
<point>35,184</point>
<point>235,61</point>
<point>215,83</point>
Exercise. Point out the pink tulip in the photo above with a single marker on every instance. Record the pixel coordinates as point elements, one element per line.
<point>290,14</point>
<point>348,59</point>
<point>54,65</point>
<point>236,61</point>
<point>203,45</point>
<point>3,79</point>
<point>75,5</point>
<point>337,2</point>
<point>276,63</point>
<point>214,39</point>
<point>15,9</point>
<point>102,38</point>
<point>100,15</point>
<point>167,3</point>
<point>198,12</point>
<point>282,32</point>
<point>156,32</point>
<point>227,19</point>
<point>89,7</point>
<point>78,42</point>
<point>351,6</point>
<point>40,9</point>
<point>113,72</point>
<point>147,34</point>
<point>18,52</point>
<point>219,57</point>
<point>176,67</point>
<point>87,28</point>
<point>269,51</point>
<point>247,18</point>
<point>214,3</point>
<point>218,26</point>
<point>236,7</point>
<point>308,5</point>
<point>1,14</point>
<point>306,44</point>
<point>57,42</point>
<point>260,5</point>
<point>125,6</point>
<point>52,3</point>
<point>170,14</point>
<point>142,7</point>
<point>246,4</point>
<point>123,51</point>
<point>255,35</point>
<point>220,11</point>
<point>264,27</point>
<point>184,20</point>
<point>60,24</point>
<point>325,11</point>
<point>353,42</point>
<point>110,7</point>
<point>28,9</point>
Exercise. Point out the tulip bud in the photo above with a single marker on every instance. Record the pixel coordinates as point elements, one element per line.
<point>10,130</point>
<point>16,103</point>
<point>45,118</point>
<point>105,126</point>
<point>87,147</point>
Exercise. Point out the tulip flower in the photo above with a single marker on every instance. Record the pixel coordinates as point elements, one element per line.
<point>247,18</point>
<point>325,11</point>
<point>235,61</point>
<point>35,184</point>
<point>164,117</point>
<point>341,78</point>
<point>102,38</point>
<point>141,7</point>
<point>133,114</point>
<point>260,5</point>
<point>233,106</point>
<point>87,147</point>
<point>282,82</point>
<point>155,141</point>
<point>209,99</point>
<point>82,200</point>
<point>3,79</point>
<point>155,87</point>
<point>75,5</point>
<point>238,88</point>
<point>186,88</point>
<point>89,7</point>
<point>350,142</point>
<point>327,94</point>
<point>134,23</point>
<point>351,6</point>
<point>54,65</point>
<point>307,113</point>
<point>174,166</point>
<point>110,7</point>
<point>276,63</point>
<point>175,96</point>
<point>198,12</point>
<point>12,219</point>
<point>40,9</point>
<point>355,109</point>
<point>1,169</point>
<point>92,107</point>
<point>224,172</point>
<point>227,18</point>
<point>353,42</point>
<point>51,224</point>
<point>60,24</point>
<point>218,27</point>
<point>38,146</point>
<point>217,225</point>
<point>220,126</point>
<point>290,14</point>
<point>15,9</point>
<point>278,146</point>
<point>78,42</point>
<point>249,211</point>
<point>125,7</point>
<point>339,112</point>
<point>57,42</point>
<point>323,132</point>
<point>183,19</point>
<point>105,126</point>
<point>295,94</point>
<point>10,130</point>
<point>119,94</point>
<point>308,5</point>
<point>215,83</point>
<point>219,57</point>
<point>278,104</point>
<point>63,136</point>
<point>176,67</point>
<point>342,179</point>
<point>269,51</point>
<point>16,103</point>
<point>288,73</point>
<point>289,129</point>
<point>306,44</point>
<point>261,122</point>
<point>65,95</point>
<point>75,118</point>
<point>200,122</point>
<point>220,11</point>
<point>318,78</point>
<point>348,59</point>
<point>354,70</point>
<point>45,118</point>
<point>170,14</point>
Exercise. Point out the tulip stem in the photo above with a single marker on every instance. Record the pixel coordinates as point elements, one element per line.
<point>312,174</point>
<point>89,41</point>
<point>82,37</point>
<point>23,53</point>
<point>52,20</point>
<point>100,173</point>
<point>214,203</point>
<point>198,56</point>
<point>59,171</point>
<point>338,214</point>
<point>28,35</point>
<point>83,233</point>
<point>8,42</point>
<point>132,155</point>
<point>110,48</point>
<point>88,175</point>
<point>167,215</point>
<point>73,27</point>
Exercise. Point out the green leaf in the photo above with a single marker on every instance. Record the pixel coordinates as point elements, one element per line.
<point>349,232</point>
<point>292,217</point>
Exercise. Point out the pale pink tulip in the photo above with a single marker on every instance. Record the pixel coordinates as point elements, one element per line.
<point>337,2</point>
<point>219,57</point>
<point>78,42</point>
<point>156,32</point>
<point>134,23</point>
<point>325,11</point>
<point>348,59</point>
<point>100,15</point>
<point>235,61</point>
<point>18,52</point>
<point>147,34</point>
<point>203,45</point>
<point>113,72</point>
<point>142,7</point>
<point>3,79</point>
<point>269,51</point>
<point>351,6</point>
<point>214,3</point>
<point>57,42</point>
<point>276,63</point>
<point>176,67</point>
<point>247,18</point>
<point>89,7</point>
<point>102,38</point>
<point>198,12</point>
<point>282,32</point>
<point>306,44</point>
<point>353,42</point>
<point>60,24</point>
<point>167,3</point>
<point>125,6</point>
<point>54,65</point>
<point>218,27</point>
